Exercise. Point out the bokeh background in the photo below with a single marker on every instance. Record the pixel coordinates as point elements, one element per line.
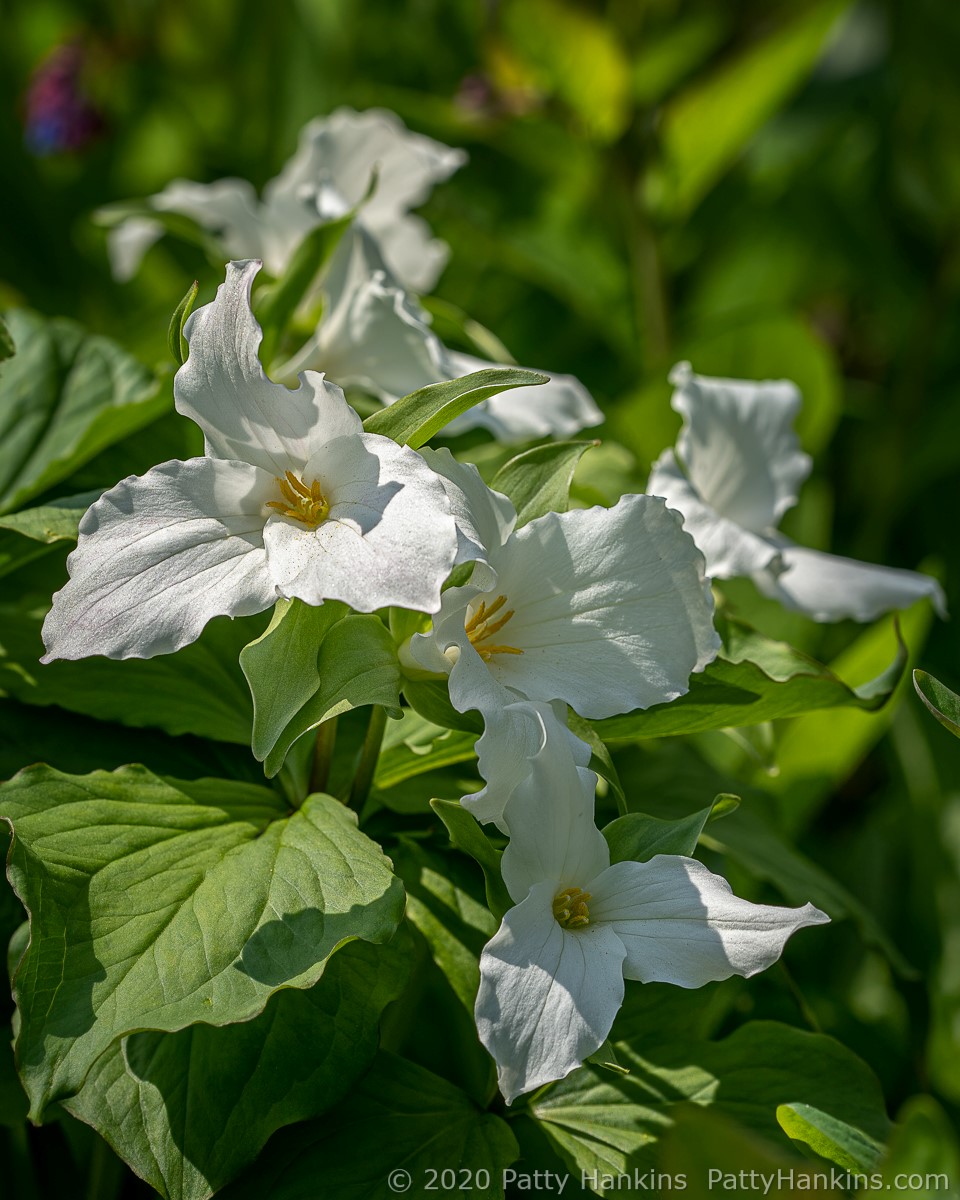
<point>765,189</point>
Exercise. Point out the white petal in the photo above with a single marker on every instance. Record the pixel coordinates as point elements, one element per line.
<point>557,409</point>
<point>485,518</point>
<point>549,816</point>
<point>829,588</point>
<point>414,255</point>
<point>511,738</point>
<point>547,996</point>
<point>223,388</point>
<point>738,446</point>
<point>611,610</point>
<point>127,243</point>
<point>389,538</point>
<point>161,555</point>
<point>729,549</point>
<point>227,208</point>
<point>682,924</point>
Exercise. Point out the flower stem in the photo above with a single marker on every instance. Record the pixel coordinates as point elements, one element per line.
<point>323,746</point>
<point>363,778</point>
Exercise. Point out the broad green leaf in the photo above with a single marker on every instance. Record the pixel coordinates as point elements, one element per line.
<point>413,745</point>
<point>538,480</point>
<point>198,690</point>
<point>467,835</point>
<point>313,664</point>
<point>64,396</point>
<point>718,1156</point>
<point>175,340</point>
<point>400,1119</point>
<point>850,1148</point>
<point>170,903</point>
<point>598,1123</point>
<point>754,680</point>
<point>601,760</point>
<point>188,1111</point>
<point>415,419</point>
<point>7,348</point>
<point>638,837</point>
<point>704,129</point>
<point>32,532</point>
<point>431,699</point>
<point>940,700</point>
<point>281,666</point>
<point>924,1143</point>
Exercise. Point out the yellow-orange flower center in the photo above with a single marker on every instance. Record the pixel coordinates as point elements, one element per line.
<point>308,505</point>
<point>570,907</point>
<point>484,623</point>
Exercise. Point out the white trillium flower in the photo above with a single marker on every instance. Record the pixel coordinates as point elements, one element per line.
<point>552,977</point>
<point>737,468</point>
<point>292,499</point>
<point>374,335</point>
<point>604,609</point>
<point>327,177</point>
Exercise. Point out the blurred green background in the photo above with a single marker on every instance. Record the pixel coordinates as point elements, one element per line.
<point>768,190</point>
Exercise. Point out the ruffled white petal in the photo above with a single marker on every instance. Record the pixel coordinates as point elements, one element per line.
<point>556,409</point>
<point>738,446</point>
<point>389,538</point>
<point>828,587</point>
<point>223,388</point>
<point>512,738</point>
<point>127,243</point>
<point>158,557</point>
<point>611,609</point>
<point>547,996</point>
<point>227,208</point>
<point>485,518</point>
<point>549,816</point>
<point>729,549</point>
<point>682,924</point>
<point>409,247</point>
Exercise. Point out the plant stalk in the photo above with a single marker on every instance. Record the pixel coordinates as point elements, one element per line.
<point>363,779</point>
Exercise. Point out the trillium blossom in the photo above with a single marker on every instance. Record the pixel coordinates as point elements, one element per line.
<point>327,177</point>
<point>606,610</point>
<point>552,977</point>
<point>292,499</point>
<point>376,336</point>
<point>736,470</point>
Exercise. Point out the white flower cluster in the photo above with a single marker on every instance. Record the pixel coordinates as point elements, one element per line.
<point>602,610</point>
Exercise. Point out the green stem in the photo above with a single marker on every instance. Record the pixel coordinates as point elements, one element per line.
<point>363,779</point>
<point>323,746</point>
<point>808,1014</point>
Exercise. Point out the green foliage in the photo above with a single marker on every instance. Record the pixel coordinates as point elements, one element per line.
<point>415,419</point>
<point>35,530</point>
<point>940,700</point>
<point>220,898</point>
<point>467,835</point>
<point>637,837</point>
<point>832,1139</point>
<point>175,339</point>
<point>538,480</point>
<point>312,664</point>
<point>64,396</point>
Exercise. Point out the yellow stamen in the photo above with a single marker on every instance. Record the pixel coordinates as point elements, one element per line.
<point>480,628</point>
<point>570,908</point>
<point>308,505</point>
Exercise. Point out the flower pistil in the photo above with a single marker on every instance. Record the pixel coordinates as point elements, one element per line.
<point>481,628</point>
<point>571,908</point>
<point>308,505</point>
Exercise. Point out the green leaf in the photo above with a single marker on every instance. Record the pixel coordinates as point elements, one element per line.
<point>431,699</point>
<point>637,837</point>
<point>175,339</point>
<point>277,304</point>
<point>33,531</point>
<point>600,1124</point>
<point>538,480</point>
<point>198,690</point>
<point>7,348</point>
<point>157,904</point>
<point>64,396</point>
<point>415,419</point>
<point>467,835</point>
<point>413,746</point>
<point>402,1119</point>
<point>188,1111</point>
<point>311,664</point>
<point>924,1142</point>
<point>850,1148</point>
<point>704,129</point>
<point>754,680</point>
<point>940,700</point>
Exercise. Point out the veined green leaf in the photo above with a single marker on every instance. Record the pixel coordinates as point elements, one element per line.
<point>64,396</point>
<point>538,480</point>
<point>637,837</point>
<point>940,700</point>
<point>32,532</point>
<point>835,1140</point>
<point>171,903</point>
<point>467,835</point>
<point>415,419</point>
